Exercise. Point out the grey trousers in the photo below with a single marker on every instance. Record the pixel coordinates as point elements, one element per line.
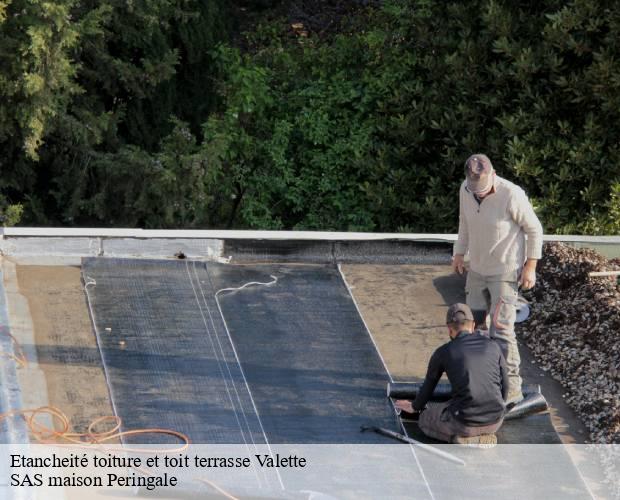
<point>437,422</point>
<point>497,296</point>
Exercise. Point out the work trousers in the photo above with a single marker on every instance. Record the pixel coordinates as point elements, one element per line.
<point>497,296</point>
<point>437,422</point>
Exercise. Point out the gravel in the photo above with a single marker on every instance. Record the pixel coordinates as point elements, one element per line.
<point>574,333</point>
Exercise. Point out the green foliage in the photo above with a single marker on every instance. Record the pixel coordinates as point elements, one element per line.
<point>10,215</point>
<point>350,137</point>
<point>135,188</point>
<point>364,128</point>
<point>83,81</point>
<point>37,74</point>
<point>369,130</point>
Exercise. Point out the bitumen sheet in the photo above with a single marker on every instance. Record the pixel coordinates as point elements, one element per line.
<point>277,353</point>
<point>167,356</point>
<point>304,361</point>
<point>312,367</point>
<point>289,362</point>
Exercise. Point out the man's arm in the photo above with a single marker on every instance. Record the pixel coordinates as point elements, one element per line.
<point>523,214</point>
<point>527,279</point>
<point>433,374</point>
<point>462,242</point>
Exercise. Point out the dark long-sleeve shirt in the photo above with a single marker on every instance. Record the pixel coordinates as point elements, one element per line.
<point>477,373</point>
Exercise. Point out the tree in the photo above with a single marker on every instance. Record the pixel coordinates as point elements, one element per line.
<point>360,120</point>
<point>36,82</point>
<point>83,80</point>
<point>369,129</point>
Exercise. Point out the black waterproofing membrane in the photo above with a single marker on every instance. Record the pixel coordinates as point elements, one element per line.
<point>301,349</point>
<point>268,353</point>
<point>167,356</point>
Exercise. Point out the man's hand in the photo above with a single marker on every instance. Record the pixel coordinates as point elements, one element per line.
<point>404,405</point>
<point>528,275</point>
<point>458,263</point>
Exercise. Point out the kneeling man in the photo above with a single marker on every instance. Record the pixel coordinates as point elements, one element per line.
<point>476,369</point>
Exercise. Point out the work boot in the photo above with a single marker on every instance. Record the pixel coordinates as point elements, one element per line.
<point>482,441</point>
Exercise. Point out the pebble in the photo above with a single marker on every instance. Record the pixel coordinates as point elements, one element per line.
<point>574,331</point>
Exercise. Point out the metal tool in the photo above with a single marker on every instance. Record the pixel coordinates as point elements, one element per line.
<point>406,439</point>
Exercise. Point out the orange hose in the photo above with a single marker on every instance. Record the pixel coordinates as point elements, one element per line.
<point>49,435</point>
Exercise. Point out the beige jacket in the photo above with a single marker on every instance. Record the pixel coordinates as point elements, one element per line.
<point>494,231</point>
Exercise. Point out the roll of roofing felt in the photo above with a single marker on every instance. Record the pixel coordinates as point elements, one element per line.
<point>409,390</point>
<point>532,403</point>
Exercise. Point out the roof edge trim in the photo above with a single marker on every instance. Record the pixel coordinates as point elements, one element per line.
<point>61,232</point>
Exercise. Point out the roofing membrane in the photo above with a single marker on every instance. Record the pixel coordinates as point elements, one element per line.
<point>288,341</point>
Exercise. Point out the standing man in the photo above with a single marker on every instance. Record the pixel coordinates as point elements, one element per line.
<point>495,216</point>
<point>476,369</point>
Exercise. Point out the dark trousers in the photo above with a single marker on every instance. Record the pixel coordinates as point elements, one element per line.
<point>437,422</point>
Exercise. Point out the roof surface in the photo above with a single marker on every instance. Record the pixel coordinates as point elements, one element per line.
<point>398,284</point>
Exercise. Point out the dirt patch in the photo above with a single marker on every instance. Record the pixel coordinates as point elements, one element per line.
<point>66,346</point>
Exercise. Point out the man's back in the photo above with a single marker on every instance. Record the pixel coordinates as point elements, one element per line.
<point>477,373</point>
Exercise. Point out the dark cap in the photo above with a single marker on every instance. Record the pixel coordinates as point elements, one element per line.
<point>459,312</point>
<point>479,173</point>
